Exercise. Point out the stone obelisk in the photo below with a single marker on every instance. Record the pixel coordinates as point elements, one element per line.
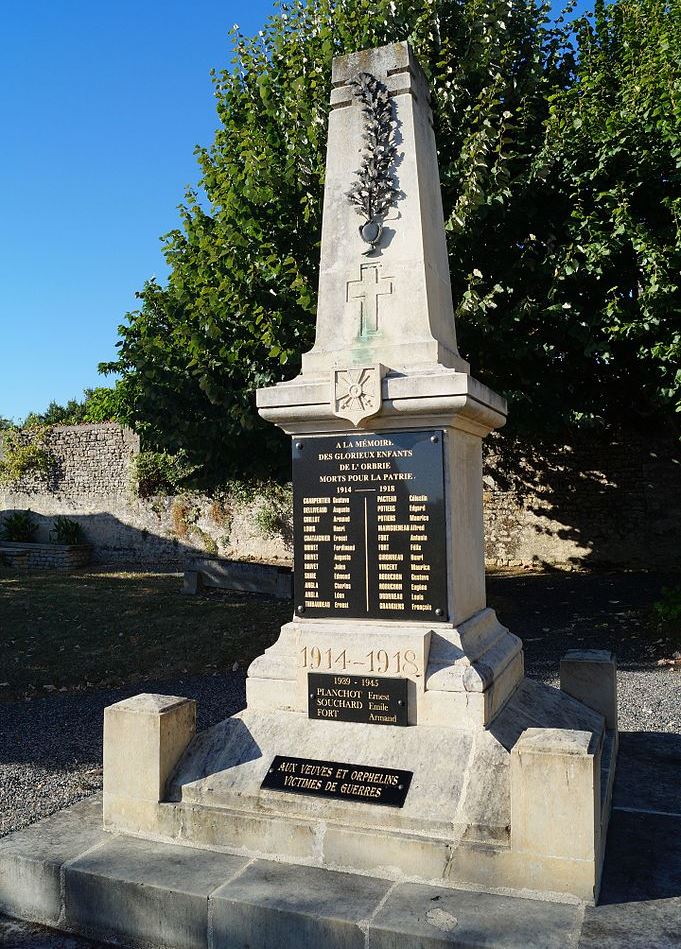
<point>390,729</point>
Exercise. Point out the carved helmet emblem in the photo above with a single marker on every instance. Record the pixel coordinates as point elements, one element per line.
<point>356,393</point>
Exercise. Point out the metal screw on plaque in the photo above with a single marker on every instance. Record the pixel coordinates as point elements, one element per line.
<point>311,695</point>
<point>400,702</point>
<point>300,609</point>
<point>271,771</point>
<point>299,446</point>
<point>434,439</point>
<point>438,612</point>
<point>400,787</point>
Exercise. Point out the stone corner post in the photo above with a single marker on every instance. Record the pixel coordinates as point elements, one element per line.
<point>144,738</point>
<point>556,810</point>
<point>590,676</point>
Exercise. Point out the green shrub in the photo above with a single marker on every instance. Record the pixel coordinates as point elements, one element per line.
<point>274,516</point>
<point>668,608</point>
<point>23,452</point>
<point>66,531</point>
<point>159,472</point>
<point>19,527</point>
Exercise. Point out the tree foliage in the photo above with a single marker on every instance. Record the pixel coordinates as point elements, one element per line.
<point>101,404</point>
<point>607,247</point>
<point>558,149</point>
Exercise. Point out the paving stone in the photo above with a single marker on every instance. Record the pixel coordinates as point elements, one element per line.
<point>19,935</point>
<point>649,924</point>
<point>643,858</point>
<point>648,769</point>
<point>640,905</point>
<point>30,860</point>
<point>433,918</point>
<point>279,906</point>
<point>145,891</point>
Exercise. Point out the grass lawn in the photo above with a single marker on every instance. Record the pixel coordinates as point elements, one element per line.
<point>98,627</point>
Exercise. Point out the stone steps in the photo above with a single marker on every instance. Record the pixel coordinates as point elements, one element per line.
<point>65,872</point>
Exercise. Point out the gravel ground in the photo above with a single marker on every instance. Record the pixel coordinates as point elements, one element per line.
<point>50,748</point>
<point>18,935</point>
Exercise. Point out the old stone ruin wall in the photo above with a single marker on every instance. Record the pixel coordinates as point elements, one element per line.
<point>592,502</point>
<point>92,481</point>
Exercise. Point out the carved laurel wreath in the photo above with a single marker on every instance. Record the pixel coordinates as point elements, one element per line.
<point>374,192</point>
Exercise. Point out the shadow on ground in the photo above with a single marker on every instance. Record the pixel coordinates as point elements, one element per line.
<point>640,903</point>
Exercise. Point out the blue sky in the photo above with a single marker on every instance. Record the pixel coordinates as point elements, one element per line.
<point>101,106</point>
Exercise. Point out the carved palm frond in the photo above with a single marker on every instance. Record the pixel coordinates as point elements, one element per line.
<point>373,191</point>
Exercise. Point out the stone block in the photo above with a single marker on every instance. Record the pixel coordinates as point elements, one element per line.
<point>144,738</point>
<point>556,802</point>
<point>435,918</point>
<point>246,577</point>
<point>192,582</point>
<point>152,893</point>
<point>31,860</point>
<point>393,855</point>
<point>590,676</point>
<point>276,906</point>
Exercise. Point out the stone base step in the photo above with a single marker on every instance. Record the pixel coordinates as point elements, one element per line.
<point>67,873</point>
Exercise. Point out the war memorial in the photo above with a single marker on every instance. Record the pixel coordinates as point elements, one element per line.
<point>391,745</point>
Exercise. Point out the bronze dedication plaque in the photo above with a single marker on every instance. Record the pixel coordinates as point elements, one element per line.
<point>369,526</point>
<point>372,700</point>
<point>346,782</point>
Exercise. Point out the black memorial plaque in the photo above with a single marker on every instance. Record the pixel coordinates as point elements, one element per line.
<point>346,782</point>
<point>368,699</point>
<point>369,526</point>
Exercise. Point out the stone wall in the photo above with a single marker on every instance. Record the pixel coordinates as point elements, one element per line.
<point>593,502</point>
<point>92,482</point>
<point>45,556</point>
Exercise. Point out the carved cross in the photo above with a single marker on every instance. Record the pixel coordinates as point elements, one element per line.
<point>367,290</point>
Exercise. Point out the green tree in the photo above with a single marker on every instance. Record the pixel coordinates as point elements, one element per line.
<point>101,404</point>
<point>563,241</point>
<point>601,314</point>
<point>240,302</point>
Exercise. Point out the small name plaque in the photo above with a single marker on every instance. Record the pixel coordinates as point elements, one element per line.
<point>367,699</point>
<point>346,782</point>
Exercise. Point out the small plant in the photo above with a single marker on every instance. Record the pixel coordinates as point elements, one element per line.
<point>66,531</point>
<point>274,515</point>
<point>209,544</point>
<point>220,513</point>
<point>668,608</point>
<point>19,527</point>
<point>180,515</point>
